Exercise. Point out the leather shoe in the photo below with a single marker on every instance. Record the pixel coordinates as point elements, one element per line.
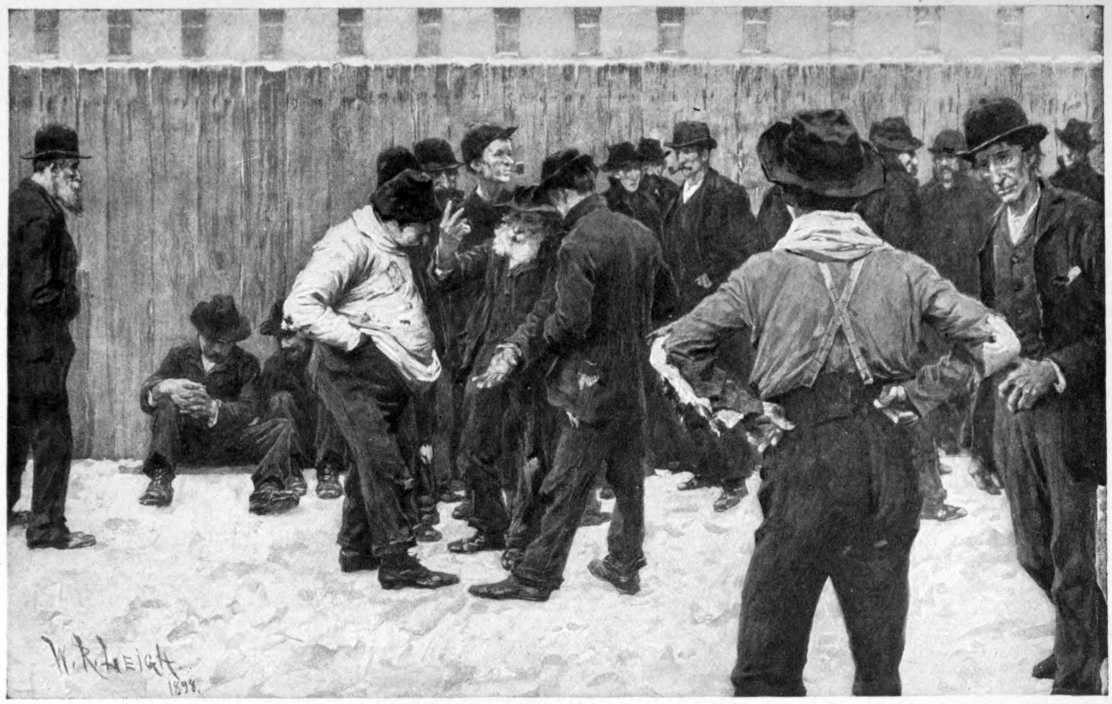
<point>730,498</point>
<point>511,558</point>
<point>160,492</point>
<point>695,482</point>
<point>328,483</point>
<point>986,479</point>
<point>18,518</point>
<point>408,572</point>
<point>425,533</point>
<point>354,560</point>
<point>594,518</point>
<point>269,499</point>
<point>447,496</point>
<point>73,540</point>
<point>941,512</point>
<point>297,483</point>
<point>1046,668</point>
<point>509,588</point>
<point>477,543</point>
<point>463,511</point>
<point>606,571</point>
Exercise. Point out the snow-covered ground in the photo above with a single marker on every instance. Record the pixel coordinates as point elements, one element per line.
<point>256,606</point>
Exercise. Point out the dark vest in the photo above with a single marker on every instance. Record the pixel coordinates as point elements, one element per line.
<point>1017,293</point>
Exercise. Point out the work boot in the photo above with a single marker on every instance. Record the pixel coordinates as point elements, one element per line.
<point>17,519</point>
<point>695,482</point>
<point>607,571</point>
<point>985,477</point>
<point>404,570</point>
<point>730,497</point>
<point>509,588</point>
<point>269,499</point>
<point>297,483</point>
<point>1046,668</point>
<point>354,560</point>
<point>463,511</point>
<point>159,492</point>
<point>72,540</point>
<point>425,533</point>
<point>478,542</point>
<point>939,511</point>
<point>328,483</point>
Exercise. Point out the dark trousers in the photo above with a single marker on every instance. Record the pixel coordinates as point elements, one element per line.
<point>366,397</point>
<point>841,502</point>
<point>39,423</point>
<point>1053,516</point>
<point>177,437</point>
<point>526,507</point>
<point>580,454</point>
<point>316,441</point>
<point>924,456</point>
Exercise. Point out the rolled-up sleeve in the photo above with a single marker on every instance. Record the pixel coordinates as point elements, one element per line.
<point>310,307</point>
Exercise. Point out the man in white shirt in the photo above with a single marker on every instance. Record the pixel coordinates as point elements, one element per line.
<point>374,354</point>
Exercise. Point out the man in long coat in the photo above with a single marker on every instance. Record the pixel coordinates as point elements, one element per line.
<point>1075,173</point>
<point>895,212</point>
<point>42,300</point>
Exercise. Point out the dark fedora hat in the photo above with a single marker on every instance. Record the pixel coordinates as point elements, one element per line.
<point>435,154</point>
<point>948,142</point>
<point>408,197</point>
<point>532,199</point>
<point>650,150</point>
<point>620,156</point>
<point>821,152</point>
<point>273,324</point>
<point>991,120</point>
<point>560,169</point>
<point>219,320</point>
<point>391,162</point>
<point>691,134</point>
<point>1076,135</point>
<point>478,137</point>
<point>893,134</point>
<point>56,141</point>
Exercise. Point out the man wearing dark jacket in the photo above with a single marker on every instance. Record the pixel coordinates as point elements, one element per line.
<point>42,300</point>
<point>894,212</point>
<point>203,403</point>
<point>660,187</point>
<point>610,274</point>
<point>1075,173</point>
<point>835,313</point>
<point>629,192</point>
<point>517,268</point>
<point>1042,268</point>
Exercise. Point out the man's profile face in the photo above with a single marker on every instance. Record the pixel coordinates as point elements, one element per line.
<point>497,162</point>
<point>215,350</point>
<point>630,176</point>
<point>444,180</point>
<point>691,161</point>
<point>1007,168</point>
<point>65,181</point>
<point>910,162</point>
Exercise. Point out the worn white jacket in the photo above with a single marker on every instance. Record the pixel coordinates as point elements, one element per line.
<point>359,282</point>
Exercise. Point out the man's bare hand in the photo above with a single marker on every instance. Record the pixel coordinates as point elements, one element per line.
<point>453,228</point>
<point>703,281</point>
<point>502,364</point>
<point>182,392</point>
<point>767,429</point>
<point>894,404</point>
<point>1027,383</point>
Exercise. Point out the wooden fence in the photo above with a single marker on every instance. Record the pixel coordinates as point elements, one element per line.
<point>218,179</point>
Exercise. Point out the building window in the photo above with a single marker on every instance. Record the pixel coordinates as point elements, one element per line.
<point>754,29</point>
<point>1009,28</point>
<point>587,41</point>
<point>428,31</point>
<point>669,21</point>
<point>46,32</point>
<point>841,30</point>
<point>1095,17</point>
<point>928,28</point>
<point>507,31</point>
<point>119,34</point>
<point>351,31</point>
<point>271,23</point>
<point>193,33</point>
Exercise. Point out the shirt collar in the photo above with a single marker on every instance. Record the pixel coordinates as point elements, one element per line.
<point>368,222</point>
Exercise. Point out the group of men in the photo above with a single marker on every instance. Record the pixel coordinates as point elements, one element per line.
<point>518,321</point>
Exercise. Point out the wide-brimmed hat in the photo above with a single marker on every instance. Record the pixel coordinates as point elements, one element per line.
<point>560,169</point>
<point>273,324</point>
<point>991,120</point>
<point>219,320</point>
<point>532,199</point>
<point>621,155</point>
<point>391,162</point>
<point>408,197</point>
<point>893,134</point>
<point>691,134</point>
<point>948,142</point>
<point>650,151</point>
<point>435,154</point>
<point>56,141</point>
<point>821,152</point>
<point>478,137</point>
<point>1076,135</point>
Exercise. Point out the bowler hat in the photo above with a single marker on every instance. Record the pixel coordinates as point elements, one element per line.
<point>948,142</point>
<point>620,156</point>
<point>560,169</point>
<point>219,320</point>
<point>821,152</point>
<point>532,199</point>
<point>650,150</point>
<point>435,154</point>
<point>1076,135</point>
<point>990,120</point>
<point>691,134</point>
<point>893,134</point>
<point>55,141</point>
<point>478,137</point>
<point>406,198</point>
<point>273,324</point>
<point>392,161</point>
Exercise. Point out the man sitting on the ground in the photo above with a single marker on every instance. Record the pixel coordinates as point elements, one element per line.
<point>203,410</point>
